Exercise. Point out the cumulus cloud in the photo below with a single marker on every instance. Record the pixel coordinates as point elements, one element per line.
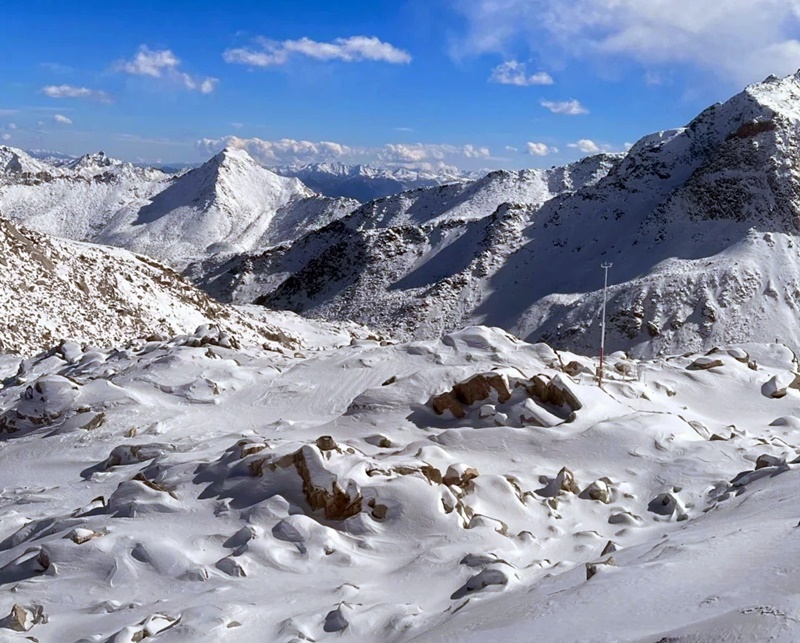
<point>72,91</point>
<point>5,137</point>
<point>588,146</point>
<point>162,63</point>
<point>63,120</point>
<point>270,53</point>
<point>513,72</point>
<point>741,40</point>
<point>567,107</point>
<point>541,149</point>
<point>297,152</point>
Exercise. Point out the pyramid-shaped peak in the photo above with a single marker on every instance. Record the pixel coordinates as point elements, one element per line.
<point>234,154</point>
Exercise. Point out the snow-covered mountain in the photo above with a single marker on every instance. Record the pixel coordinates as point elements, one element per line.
<point>76,199</point>
<point>367,182</point>
<point>229,204</point>
<point>53,289</point>
<point>700,224</point>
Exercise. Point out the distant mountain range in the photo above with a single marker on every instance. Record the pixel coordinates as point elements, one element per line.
<point>229,204</point>
<point>366,182</point>
<point>700,224</point>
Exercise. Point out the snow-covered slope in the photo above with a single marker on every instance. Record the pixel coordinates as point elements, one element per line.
<point>52,289</point>
<point>700,224</point>
<point>366,182</point>
<point>230,204</point>
<point>200,493</point>
<point>75,200</point>
<point>18,165</point>
<point>410,240</point>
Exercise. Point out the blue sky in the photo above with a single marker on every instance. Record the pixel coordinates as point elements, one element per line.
<point>471,83</point>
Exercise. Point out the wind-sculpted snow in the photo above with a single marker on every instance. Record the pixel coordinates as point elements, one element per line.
<point>190,490</point>
<point>700,223</point>
<point>52,289</point>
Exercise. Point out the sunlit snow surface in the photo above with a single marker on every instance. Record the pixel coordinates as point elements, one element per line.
<point>179,467</point>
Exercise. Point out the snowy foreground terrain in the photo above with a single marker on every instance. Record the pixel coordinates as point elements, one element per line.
<point>183,490</point>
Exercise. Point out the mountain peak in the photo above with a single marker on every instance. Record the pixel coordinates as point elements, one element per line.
<point>94,161</point>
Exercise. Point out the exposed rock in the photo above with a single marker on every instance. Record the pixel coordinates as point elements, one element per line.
<point>326,443</point>
<point>80,535</point>
<point>766,460</point>
<point>556,392</point>
<point>481,580</point>
<point>705,363</point>
<point>564,482</point>
<point>459,475</point>
<point>448,402</point>
<point>778,385</point>
<point>475,389</point>
<point>230,567</point>
<point>322,489</point>
<point>610,548</point>
<point>598,490</point>
<point>22,619</point>
<point>335,621</point>
<point>593,568</point>
<point>666,504</point>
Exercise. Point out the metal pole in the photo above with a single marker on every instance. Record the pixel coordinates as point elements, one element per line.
<point>605,267</point>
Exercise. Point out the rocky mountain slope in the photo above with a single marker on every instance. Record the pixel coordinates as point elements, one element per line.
<point>229,204</point>
<point>366,182</point>
<point>53,289</point>
<point>700,224</point>
<point>471,488</point>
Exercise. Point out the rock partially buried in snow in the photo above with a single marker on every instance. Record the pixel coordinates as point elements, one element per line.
<point>557,391</point>
<point>667,504</point>
<point>778,385</point>
<point>335,621</point>
<point>592,569</point>
<point>22,619</point>
<point>475,389</point>
<point>599,490</point>
<point>322,489</point>
<point>459,475</point>
<point>705,363</point>
<point>79,535</point>
<point>481,580</point>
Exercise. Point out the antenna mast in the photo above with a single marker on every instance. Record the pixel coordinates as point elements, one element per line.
<point>605,267</point>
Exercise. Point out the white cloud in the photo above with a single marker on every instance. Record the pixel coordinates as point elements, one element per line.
<point>295,152</point>
<point>269,53</point>
<point>63,120</point>
<point>513,72</point>
<point>741,40</point>
<point>147,62</point>
<point>511,148</point>
<point>588,146</point>
<point>162,63</point>
<point>72,91</point>
<point>541,149</point>
<point>12,126</point>
<point>6,137</point>
<point>567,107</point>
